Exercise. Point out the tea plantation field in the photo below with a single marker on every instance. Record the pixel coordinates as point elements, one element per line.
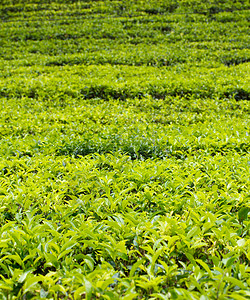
<point>124,149</point>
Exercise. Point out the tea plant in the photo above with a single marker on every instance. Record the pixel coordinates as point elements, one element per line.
<point>124,145</point>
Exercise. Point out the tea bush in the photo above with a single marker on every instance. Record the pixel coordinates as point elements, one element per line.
<point>124,145</point>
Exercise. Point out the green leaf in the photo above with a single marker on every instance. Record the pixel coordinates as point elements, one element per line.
<point>79,292</point>
<point>195,230</point>
<point>88,287</point>
<point>5,287</point>
<point>68,245</point>
<point>130,296</point>
<point>235,282</point>
<point>89,261</point>
<point>24,275</point>
<point>135,267</point>
<point>241,242</point>
<point>243,213</point>
<point>30,283</point>
<point>237,296</point>
<point>198,245</point>
<point>205,266</point>
<point>16,258</point>
<point>43,293</point>
<point>230,262</point>
<point>64,253</point>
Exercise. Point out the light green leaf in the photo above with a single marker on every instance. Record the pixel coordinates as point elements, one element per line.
<point>235,282</point>
<point>194,231</point>
<point>30,283</point>
<point>135,267</point>
<point>205,266</point>
<point>79,292</point>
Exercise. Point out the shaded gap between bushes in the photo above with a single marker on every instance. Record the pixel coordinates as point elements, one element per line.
<point>145,149</point>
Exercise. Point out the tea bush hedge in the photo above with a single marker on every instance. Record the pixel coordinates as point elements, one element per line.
<point>125,149</point>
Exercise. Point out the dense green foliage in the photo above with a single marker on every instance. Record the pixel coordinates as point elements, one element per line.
<point>125,149</point>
